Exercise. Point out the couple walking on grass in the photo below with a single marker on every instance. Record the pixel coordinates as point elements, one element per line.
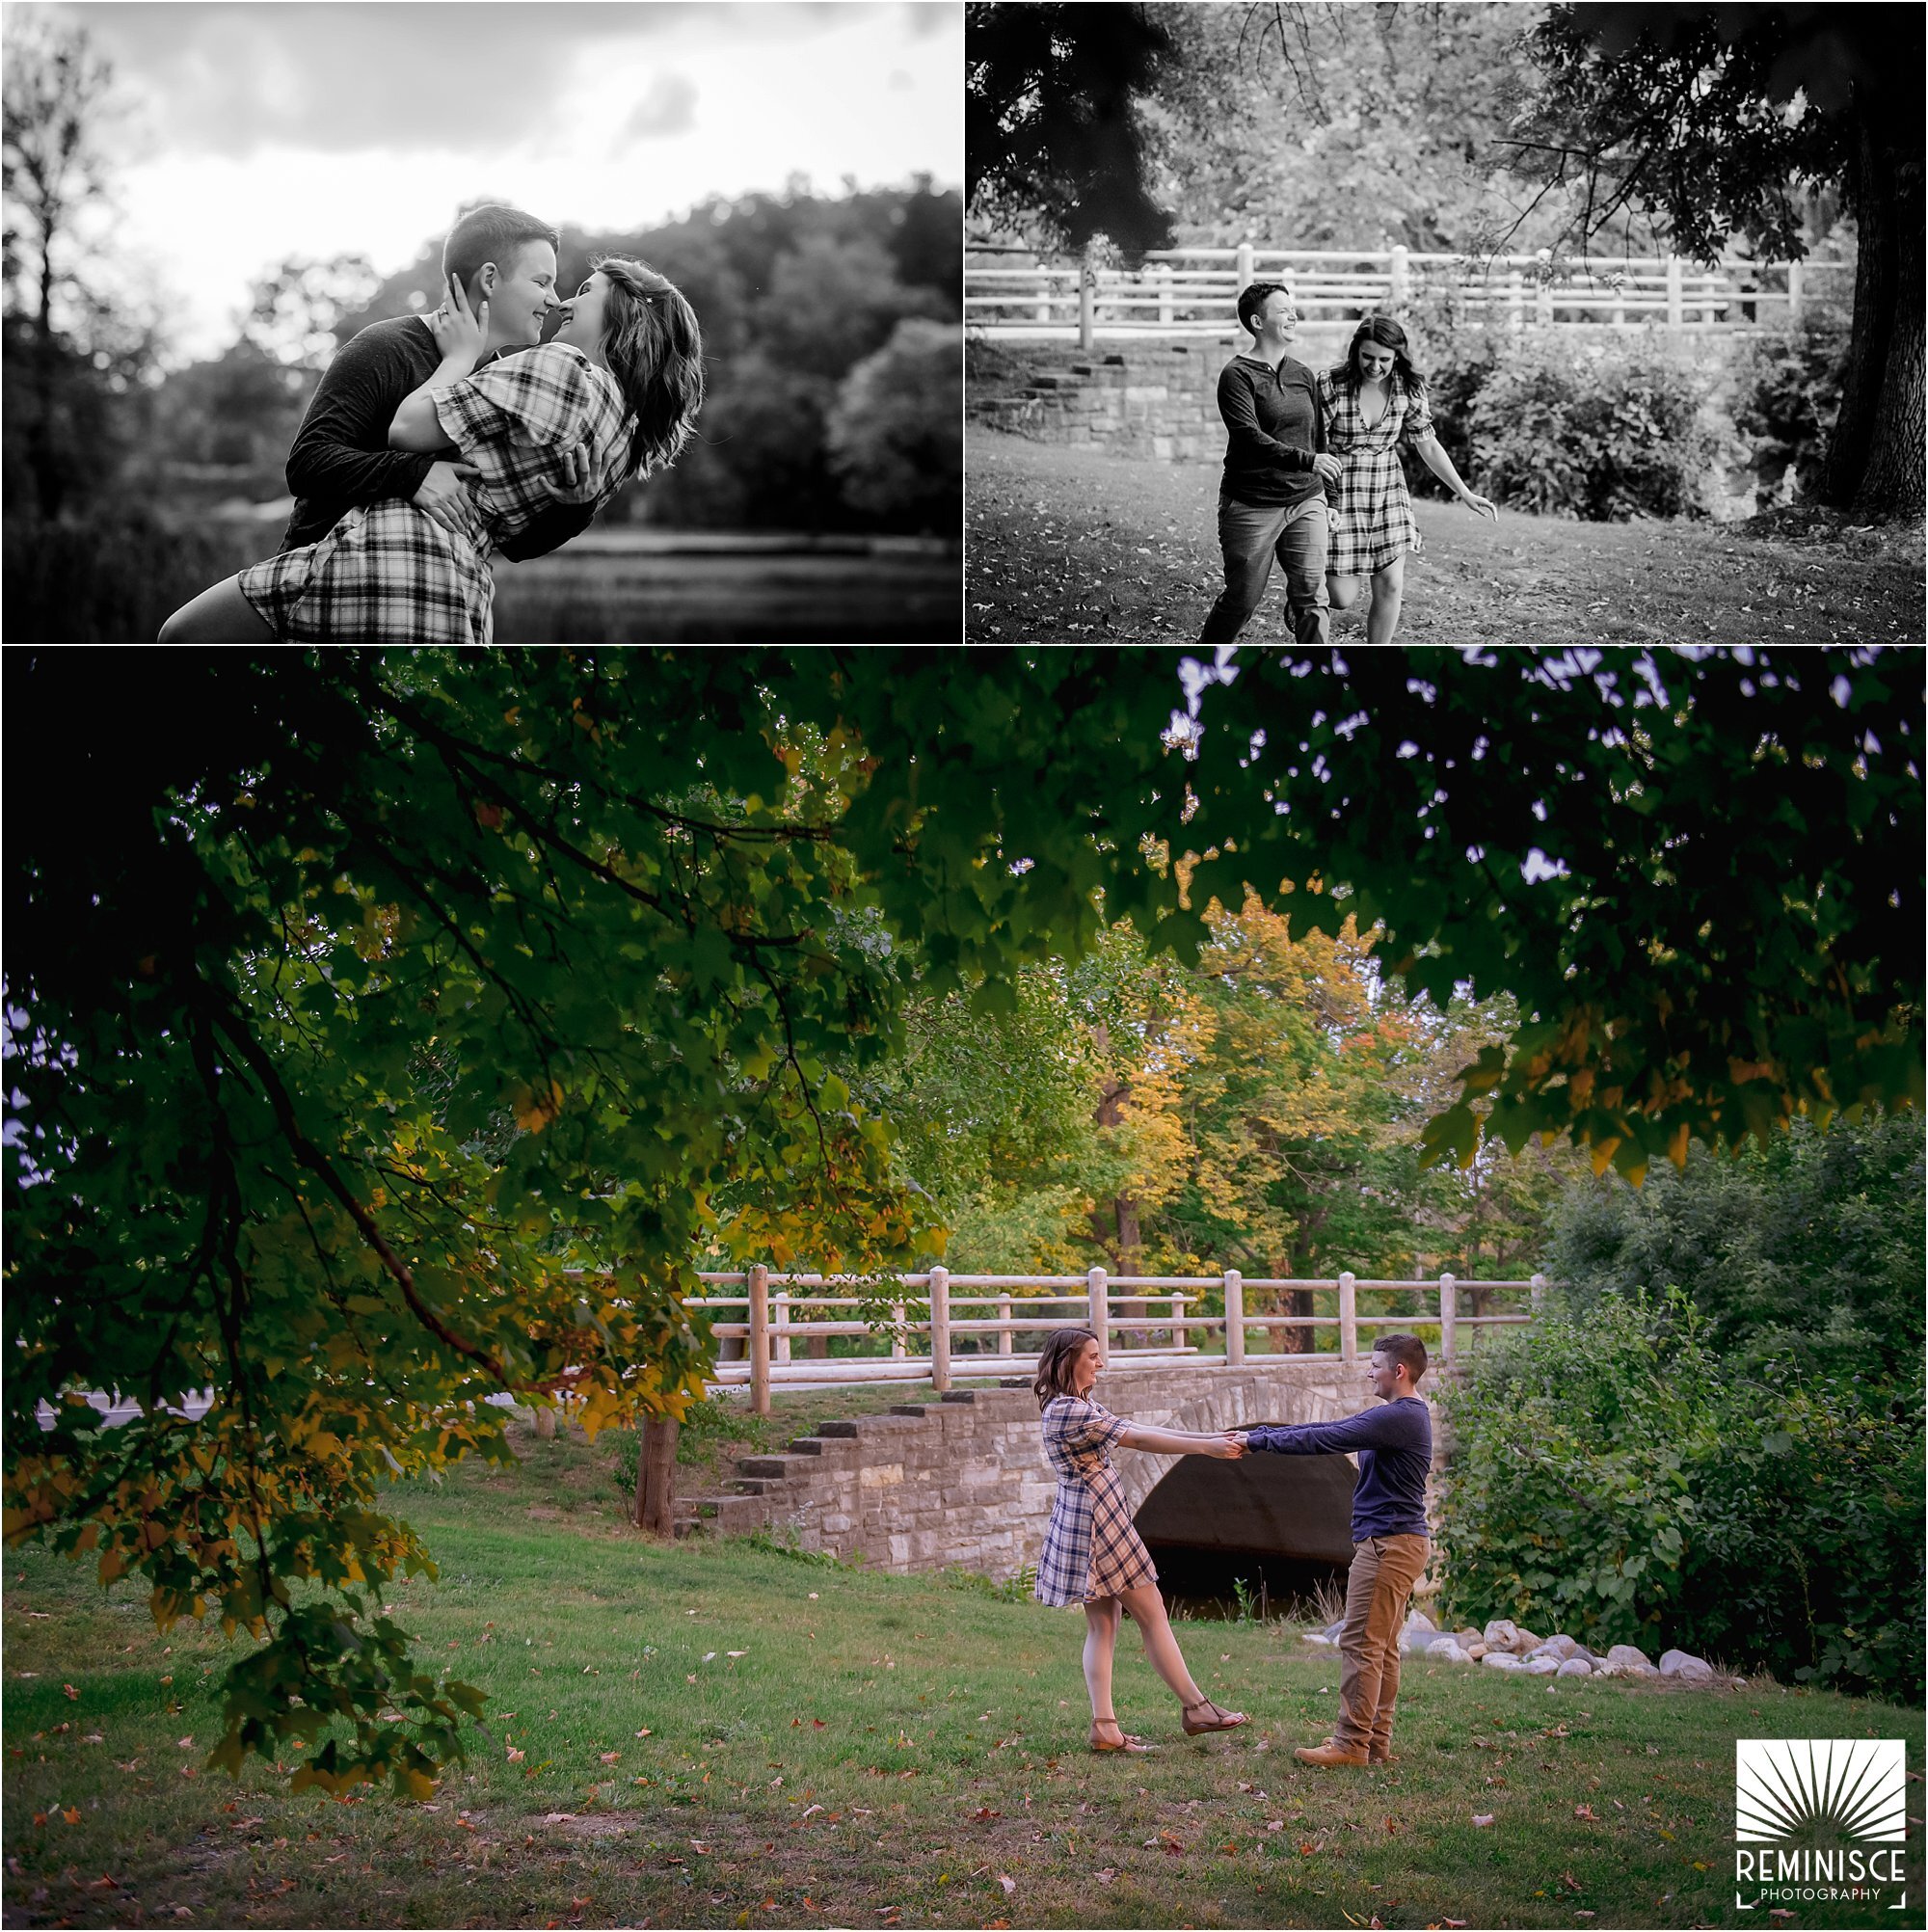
<point>434,440</point>
<point>1092,1556</point>
<point>1312,474</point>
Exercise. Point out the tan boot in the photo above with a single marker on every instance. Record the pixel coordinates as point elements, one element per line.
<point>1327,1754</point>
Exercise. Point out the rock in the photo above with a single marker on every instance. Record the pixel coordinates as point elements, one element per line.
<point>1500,1634</point>
<point>1476,1652</point>
<point>1418,1621</point>
<point>1526,1643</point>
<point>1448,1651</point>
<point>1686,1668</point>
<point>1628,1660</point>
<point>1559,1648</point>
<point>1332,1630</point>
<point>1315,1637</point>
<point>1468,1637</point>
<point>1502,1660</point>
<point>1539,1665</point>
<point>1576,1667</point>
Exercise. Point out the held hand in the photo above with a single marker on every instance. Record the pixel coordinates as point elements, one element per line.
<point>1328,467</point>
<point>443,494</point>
<point>1230,1446</point>
<point>575,483</point>
<point>1481,506</point>
<point>460,333</point>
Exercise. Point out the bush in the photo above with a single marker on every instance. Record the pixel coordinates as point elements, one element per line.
<point>113,576</point>
<point>1787,394</point>
<point>896,435</point>
<point>1612,1478</point>
<point>1597,433</point>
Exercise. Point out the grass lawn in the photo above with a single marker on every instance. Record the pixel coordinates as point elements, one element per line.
<point>723,1735</point>
<point>1068,544</point>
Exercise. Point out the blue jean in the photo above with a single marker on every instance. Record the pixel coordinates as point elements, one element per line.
<point>1252,535</point>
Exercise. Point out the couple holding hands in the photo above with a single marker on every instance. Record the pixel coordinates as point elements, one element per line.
<point>1093,1555</point>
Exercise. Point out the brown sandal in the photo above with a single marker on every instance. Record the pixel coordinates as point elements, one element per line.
<point>1135,1747</point>
<point>1221,1719</point>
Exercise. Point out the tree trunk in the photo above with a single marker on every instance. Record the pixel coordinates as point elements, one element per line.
<point>42,458</point>
<point>1875,456</point>
<point>655,1476</point>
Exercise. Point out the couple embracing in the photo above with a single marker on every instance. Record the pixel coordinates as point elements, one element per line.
<point>1312,474</point>
<point>434,440</point>
<point>1093,1557</point>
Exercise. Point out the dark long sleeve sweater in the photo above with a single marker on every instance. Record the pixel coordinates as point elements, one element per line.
<point>1274,428</point>
<point>1395,1448</point>
<point>340,457</point>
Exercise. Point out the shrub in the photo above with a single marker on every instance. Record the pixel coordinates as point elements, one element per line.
<point>895,435</point>
<point>1787,397</point>
<point>1597,433</point>
<point>1613,1478</point>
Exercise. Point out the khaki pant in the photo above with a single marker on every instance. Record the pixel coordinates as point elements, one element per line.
<point>1378,1589</point>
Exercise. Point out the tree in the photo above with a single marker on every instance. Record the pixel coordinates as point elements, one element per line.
<point>351,1014</point>
<point>895,435</point>
<point>1052,131</point>
<point>300,309</point>
<point>1722,120</point>
<point>1682,868</point>
<point>58,95</point>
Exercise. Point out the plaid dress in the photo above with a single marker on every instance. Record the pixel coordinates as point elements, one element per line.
<point>1090,1548</point>
<point>389,574</point>
<point>1375,525</point>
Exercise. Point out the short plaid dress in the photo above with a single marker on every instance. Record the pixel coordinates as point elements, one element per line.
<point>1373,513</point>
<point>389,574</point>
<point>1090,1548</point>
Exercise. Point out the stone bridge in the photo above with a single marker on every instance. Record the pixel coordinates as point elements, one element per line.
<point>961,1479</point>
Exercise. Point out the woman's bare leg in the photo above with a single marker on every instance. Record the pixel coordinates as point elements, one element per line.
<point>1101,1639</point>
<point>1388,597</point>
<point>1147,1608</point>
<point>221,615</point>
<point>1343,592</point>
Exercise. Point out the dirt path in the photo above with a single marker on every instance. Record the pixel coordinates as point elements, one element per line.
<point>1066,543</point>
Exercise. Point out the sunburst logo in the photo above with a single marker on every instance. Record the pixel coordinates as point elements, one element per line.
<point>1819,1789</point>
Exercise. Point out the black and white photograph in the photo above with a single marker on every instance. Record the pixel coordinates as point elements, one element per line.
<point>1457,323</point>
<point>427,323</point>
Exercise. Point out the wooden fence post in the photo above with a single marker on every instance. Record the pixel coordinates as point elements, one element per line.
<point>1539,1295</point>
<point>1349,1318</point>
<point>1004,1333</point>
<point>1794,291</point>
<point>1449,1314</point>
<point>940,1328</point>
<point>780,1319</point>
<point>1399,277</point>
<point>1178,1329</point>
<point>1087,307</point>
<point>1675,314</point>
<point>1235,1317</point>
<point>1100,1307</point>
<point>656,1475</point>
<point>760,1339</point>
<point>897,1332</point>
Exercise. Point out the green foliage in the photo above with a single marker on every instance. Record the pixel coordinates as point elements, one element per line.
<point>1682,869</point>
<point>1788,393</point>
<point>1614,1477</point>
<point>1598,433</point>
<point>1811,1244</point>
<point>785,1544</point>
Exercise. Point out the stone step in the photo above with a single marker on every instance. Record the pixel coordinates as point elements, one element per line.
<point>839,1431</point>
<point>916,1408</point>
<point>767,1466</point>
<point>804,1445</point>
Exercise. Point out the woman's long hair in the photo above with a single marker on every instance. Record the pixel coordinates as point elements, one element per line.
<point>653,347</point>
<point>1056,1360</point>
<point>1388,334</point>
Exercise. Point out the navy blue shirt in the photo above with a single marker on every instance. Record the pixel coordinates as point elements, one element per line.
<point>1395,1448</point>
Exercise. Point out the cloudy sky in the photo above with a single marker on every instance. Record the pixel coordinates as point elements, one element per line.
<point>260,130</point>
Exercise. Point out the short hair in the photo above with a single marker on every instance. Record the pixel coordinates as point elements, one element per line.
<point>1056,1360</point>
<point>1406,1350</point>
<point>1252,298</point>
<point>493,233</point>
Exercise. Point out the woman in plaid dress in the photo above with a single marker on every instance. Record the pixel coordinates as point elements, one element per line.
<point>1093,1555</point>
<point>615,394</point>
<point>1373,401</point>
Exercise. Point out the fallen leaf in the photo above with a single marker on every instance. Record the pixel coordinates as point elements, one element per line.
<point>71,1815</point>
<point>1483,1818</point>
<point>608,1757</point>
<point>1587,1813</point>
<point>1010,1885</point>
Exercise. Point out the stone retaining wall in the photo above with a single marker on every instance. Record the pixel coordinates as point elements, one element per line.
<point>961,1480</point>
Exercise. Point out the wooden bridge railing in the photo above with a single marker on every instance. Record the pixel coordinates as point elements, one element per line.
<point>1180,292</point>
<point>772,1319</point>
